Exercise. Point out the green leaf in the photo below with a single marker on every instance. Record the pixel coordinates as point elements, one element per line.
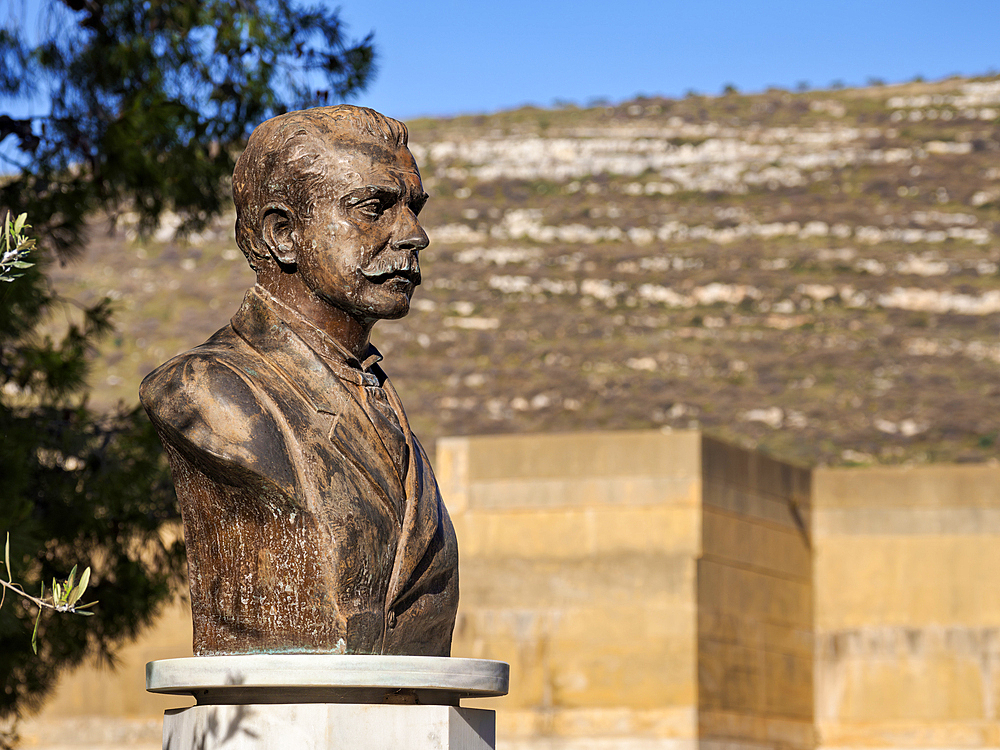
<point>22,264</point>
<point>6,560</point>
<point>77,592</point>
<point>19,223</point>
<point>34,633</point>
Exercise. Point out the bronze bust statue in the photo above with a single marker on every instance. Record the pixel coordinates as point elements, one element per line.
<point>312,518</point>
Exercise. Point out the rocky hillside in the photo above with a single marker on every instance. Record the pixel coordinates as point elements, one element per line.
<point>815,274</point>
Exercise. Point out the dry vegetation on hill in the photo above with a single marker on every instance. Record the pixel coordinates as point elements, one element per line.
<point>815,274</point>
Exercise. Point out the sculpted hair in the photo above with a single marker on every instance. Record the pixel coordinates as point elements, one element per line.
<point>284,165</point>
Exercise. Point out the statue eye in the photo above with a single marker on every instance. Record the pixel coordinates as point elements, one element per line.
<point>371,209</point>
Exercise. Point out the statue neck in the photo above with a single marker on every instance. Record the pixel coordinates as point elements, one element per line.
<point>352,334</point>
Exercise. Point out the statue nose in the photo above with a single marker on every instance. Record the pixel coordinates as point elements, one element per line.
<point>411,235</point>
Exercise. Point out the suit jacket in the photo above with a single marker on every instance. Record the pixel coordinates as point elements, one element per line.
<point>301,535</point>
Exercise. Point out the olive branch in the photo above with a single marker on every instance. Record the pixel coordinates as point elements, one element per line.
<point>16,246</point>
<point>63,596</point>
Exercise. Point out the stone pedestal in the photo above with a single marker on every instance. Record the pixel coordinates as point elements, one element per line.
<point>328,702</point>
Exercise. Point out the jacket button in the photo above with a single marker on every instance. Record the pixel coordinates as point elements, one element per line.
<point>392,620</point>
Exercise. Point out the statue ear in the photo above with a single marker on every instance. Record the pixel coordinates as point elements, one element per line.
<point>278,234</point>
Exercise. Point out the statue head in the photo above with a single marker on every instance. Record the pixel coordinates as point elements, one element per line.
<point>332,194</point>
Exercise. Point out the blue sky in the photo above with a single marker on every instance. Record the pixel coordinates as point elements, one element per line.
<point>450,57</point>
<point>445,57</point>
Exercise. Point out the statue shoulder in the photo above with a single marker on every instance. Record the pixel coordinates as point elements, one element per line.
<point>209,404</point>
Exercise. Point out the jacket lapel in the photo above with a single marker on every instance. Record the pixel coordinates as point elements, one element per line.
<point>347,424</point>
<point>353,431</point>
<point>420,518</point>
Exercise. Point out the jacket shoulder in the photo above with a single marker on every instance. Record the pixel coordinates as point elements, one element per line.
<point>210,405</point>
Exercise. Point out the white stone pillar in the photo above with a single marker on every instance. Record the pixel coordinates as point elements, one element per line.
<point>328,702</point>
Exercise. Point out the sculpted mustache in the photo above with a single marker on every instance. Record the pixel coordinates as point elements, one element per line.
<point>382,266</point>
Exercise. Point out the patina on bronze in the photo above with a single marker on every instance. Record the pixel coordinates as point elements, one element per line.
<point>312,518</point>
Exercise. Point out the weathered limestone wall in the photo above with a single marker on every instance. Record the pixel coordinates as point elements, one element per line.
<point>578,567</point>
<point>755,648</point>
<point>907,576</point>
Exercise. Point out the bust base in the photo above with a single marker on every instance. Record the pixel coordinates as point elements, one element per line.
<point>328,726</point>
<point>327,702</point>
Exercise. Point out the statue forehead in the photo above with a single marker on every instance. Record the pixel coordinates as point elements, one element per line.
<point>354,163</point>
<point>365,153</point>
